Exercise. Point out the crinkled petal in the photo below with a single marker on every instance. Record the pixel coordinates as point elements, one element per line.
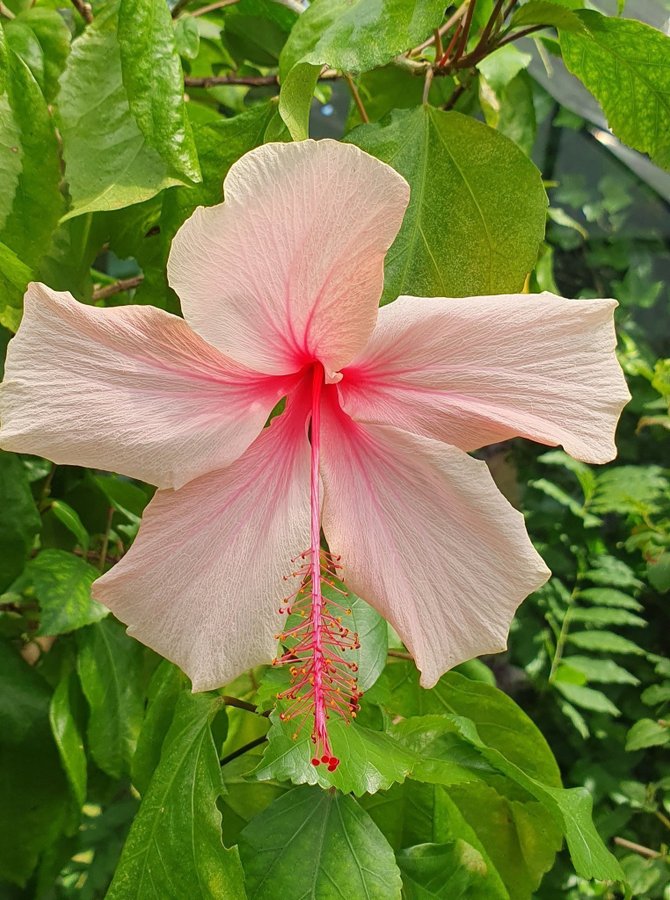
<point>477,370</point>
<point>427,539</point>
<point>290,268</point>
<point>204,580</point>
<point>130,389</point>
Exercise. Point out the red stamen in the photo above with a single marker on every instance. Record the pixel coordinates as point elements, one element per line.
<point>322,681</point>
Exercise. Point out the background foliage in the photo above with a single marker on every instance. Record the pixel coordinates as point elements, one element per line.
<point>116,120</point>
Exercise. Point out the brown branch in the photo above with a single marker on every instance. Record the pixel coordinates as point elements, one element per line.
<point>459,90</point>
<point>84,10</point>
<point>637,848</point>
<point>124,284</point>
<point>240,704</point>
<point>357,100</point>
<point>443,29</point>
<point>248,80</point>
<point>514,36</point>
<point>399,654</point>
<point>242,750</point>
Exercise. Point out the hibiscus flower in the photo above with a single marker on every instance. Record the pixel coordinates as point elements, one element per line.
<point>280,288</point>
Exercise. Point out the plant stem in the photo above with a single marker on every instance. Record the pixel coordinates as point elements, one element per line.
<point>213,7</point>
<point>357,99</point>
<point>84,10</point>
<point>515,35</point>
<point>239,704</point>
<point>399,654</point>
<point>637,848</point>
<point>124,284</point>
<point>242,750</point>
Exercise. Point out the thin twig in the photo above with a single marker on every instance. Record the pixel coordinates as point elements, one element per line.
<point>438,44</point>
<point>84,10</point>
<point>515,35</point>
<point>240,704</point>
<point>399,654</point>
<point>6,12</point>
<point>662,818</point>
<point>105,540</point>
<point>426,86</point>
<point>124,284</point>
<point>357,99</point>
<point>248,80</point>
<point>455,96</point>
<point>443,29</point>
<point>212,7</point>
<point>242,750</point>
<point>467,24</point>
<point>637,848</point>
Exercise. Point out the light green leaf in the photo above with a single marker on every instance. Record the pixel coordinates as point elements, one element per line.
<point>560,496</point>
<point>109,665</point>
<point>488,239</point>
<point>373,637</point>
<point>612,572</point>
<point>14,278</point>
<point>607,615</point>
<point>501,66</point>
<point>30,199</point>
<point>187,37</point>
<point>369,760</point>
<point>586,697</point>
<point>174,848</point>
<point>32,783</point>
<point>604,642</point>
<point>108,159</point>
<point>605,671</point>
<point>442,756</point>
<point>295,99</point>
<point>313,843</point>
<point>62,585</point>
<point>154,82</point>
<point>52,38</point>
<point>442,871</point>
<point>68,737</point>
<point>17,531</point>
<point>609,597</point>
<point>627,489</point>
<point>647,733</point>
<point>626,66</point>
<point>70,518</point>
<point>544,12</point>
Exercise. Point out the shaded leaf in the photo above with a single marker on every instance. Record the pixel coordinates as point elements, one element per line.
<point>18,530</point>
<point>62,585</point>
<point>68,737</point>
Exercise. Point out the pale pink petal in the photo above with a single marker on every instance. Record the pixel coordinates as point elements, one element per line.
<point>426,538</point>
<point>290,268</point>
<point>477,370</point>
<point>204,580</point>
<point>131,389</point>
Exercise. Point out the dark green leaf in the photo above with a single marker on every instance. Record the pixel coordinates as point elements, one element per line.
<point>18,529</point>
<point>477,210</point>
<point>63,588</point>
<point>174,848</point>
<point>154,82</point>
<point>32,784</point>
<point>70,518</point>
<point>442,871</point>
<point>316,844</point>
<point>68,737</point>
<point>109,665</point>
<point>626,66</point>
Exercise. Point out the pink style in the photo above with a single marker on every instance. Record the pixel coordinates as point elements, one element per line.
<point>280,288</point>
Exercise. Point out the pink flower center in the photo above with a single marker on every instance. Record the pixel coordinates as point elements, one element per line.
<point>323,682</point>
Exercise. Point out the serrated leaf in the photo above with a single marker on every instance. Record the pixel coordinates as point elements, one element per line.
<point>626,66</point>
<point>612,572</point>
<point>174,848</point>
<point>585,475</point>
<point>154,82</point>
<point>108,161</point>
<point>586,698</point>
<point>369,760</point>
<point>109,666</point>
<point>62,585</point>
<point>17,530</point>
<point>605,671</point>
<point>628,489</point>
<point>609,597</point>
<point>489,241</point>
<point>607,615</point>
<point>604,642</point>
<point>544,12</point>
<point>647,733</point>
<point>313,843</point>
<point>67,735</point>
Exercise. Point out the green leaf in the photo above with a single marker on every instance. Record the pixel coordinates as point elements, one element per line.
<point>108,160</point>
<point>68,737</point>
<point>154,82</point>
<point>601,670</point>
<point>471,227</point>
<point>604,642</point>
<point>627,489</point>
<point>14,278</point>
<point>501,723</point>
<point>607,615</point>
<point>373,637</point>
<point>30,199</point>
<point>585,475</point>
<point>626,66</point>
<point>166,686</point>
<point>571,809</point>
<point>504,64</point>
<point>109,665</point>
<point>658,573</point>
<point>187,37</point>
<point>612,572</point>
<point>609,597</point>
<point>560,496</point>
<point>63,588</point>
<point>295,99</point>
<point>369,760</point>
<point>70,518</point>
<point>313,843</point>
<point>32,784</point>
<point>586,697</point>
<point>655,694</point>
<point>442,757</point>
<point>544,12</point>
<point>442,871</point>
<point>647,733</point>
<point>174,848</point>
<point>50,36</point>
<point>18,529</point>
